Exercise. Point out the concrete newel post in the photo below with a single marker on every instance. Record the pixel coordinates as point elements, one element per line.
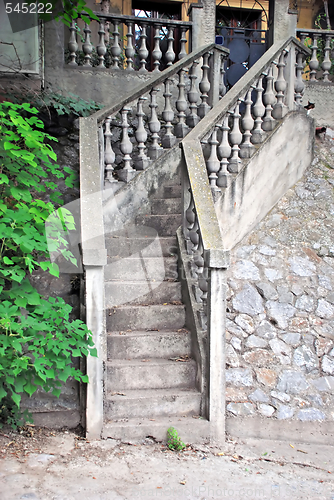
<point>216,261</point>
<point>290,77</point>
<point>203,17</point>
<point>214,77</point>
<point>95,320</point>
<point>94,257</point>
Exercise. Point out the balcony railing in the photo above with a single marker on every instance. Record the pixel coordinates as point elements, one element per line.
<point>321,42</point>
<point>127,42</point>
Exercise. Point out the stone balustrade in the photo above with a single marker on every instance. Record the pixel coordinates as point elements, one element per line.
<point>321,43</point>
<point>127,42</point>
<point>140,128</point>
<point>250,116</point>
<point>214,153</point>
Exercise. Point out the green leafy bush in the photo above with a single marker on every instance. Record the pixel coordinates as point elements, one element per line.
<point>173,440</point>
<point>69,104</point>
<point>37,337</point>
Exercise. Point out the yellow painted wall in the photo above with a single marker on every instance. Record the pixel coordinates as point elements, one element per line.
<point>307,10</point>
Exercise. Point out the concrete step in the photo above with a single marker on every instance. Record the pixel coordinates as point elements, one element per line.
<point>166,206</point>
<point>190,430</point>
<point>141,269</point>
<point>141,292</point>
<point>169,317</point>
<point>143,344</point>
<point>151,373</point>
<point>165,225</point>
<point>153,403</point>
<point>122,246</point>
<point>173,191</point>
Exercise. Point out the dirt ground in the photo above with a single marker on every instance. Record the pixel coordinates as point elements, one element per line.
<point>41,464</point>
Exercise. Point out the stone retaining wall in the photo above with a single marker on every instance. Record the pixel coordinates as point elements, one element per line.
<point>280,336</point>
<point>47,409</point>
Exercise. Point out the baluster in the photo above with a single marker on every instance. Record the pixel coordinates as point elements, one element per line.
<point>143,52</point>
<point>280,109</point>
<point>129,51</point>
<point>190,222</point>
<point>156,53</point>
<point>126,147</point>
<point>247,122</point>
<point>183,41</point>
<point>258,134</point>
<point>115,49</point>
<point>193,96</point>
<point>204,87</point>
<point>269,100</point>
<point>194,238</point>
<point>199,265</point>
<point>302,37</point>
<point>203,274</point>
<point>154,126</point>
<point>299,84</point>
<point>142,160</point>
<point>109,155</point>
<point>101,47</point>
<point>222,86</point>
<point>72,44</point>
<point>169,138</point>
<point>87,46</point>
<point>107,32</point>
<point>170,54</point>
<point>224,152</point>
<point>314,63</point>
<point>213,164</point>
<point>181,129</point>
<point>326,63</point>
<point>235,139</point>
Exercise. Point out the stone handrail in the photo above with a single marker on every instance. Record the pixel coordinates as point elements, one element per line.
<point>127,42</point>
<point>185,84</point>
<point>216,148</point>
<point>321,60</point>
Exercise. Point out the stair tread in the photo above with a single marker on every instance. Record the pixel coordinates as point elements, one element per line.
<point>148,361</point>
<point>152,393</point>
<point>155,306</point>
<point>138,333</point>
<point>190,429</point>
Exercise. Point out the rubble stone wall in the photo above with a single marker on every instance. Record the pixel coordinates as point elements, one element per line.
<point>280,308</point>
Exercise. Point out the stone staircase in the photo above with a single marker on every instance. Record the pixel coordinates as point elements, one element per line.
<point>150,381</point>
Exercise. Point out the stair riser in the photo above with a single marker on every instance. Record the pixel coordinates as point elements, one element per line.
<point>172,191</point>
<point>120,406</point>
<point>145,269</point>
<point>125,247</point>
<point>164,207</point>
<point>195,431</point>
<point>142,318</point>
<point>152,345</point>
<point>165,225</point>
<point>118,293</point>
<point>151,376</point>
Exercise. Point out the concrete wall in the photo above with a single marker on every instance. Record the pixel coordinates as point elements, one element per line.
<point>104,86</point>
<point>274,168</point>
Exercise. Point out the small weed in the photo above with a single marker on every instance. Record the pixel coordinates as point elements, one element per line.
<point>174,442</point>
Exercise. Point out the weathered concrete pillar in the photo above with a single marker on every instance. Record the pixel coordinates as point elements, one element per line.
<point>94,255</point>
<point>216,261</point>
<point>282,20</point>
<point>203,16</point>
